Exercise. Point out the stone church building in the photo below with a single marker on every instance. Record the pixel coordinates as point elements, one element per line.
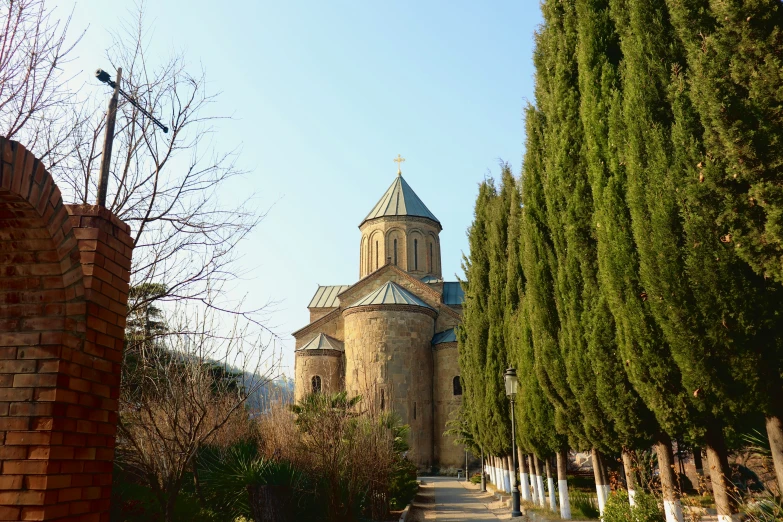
<point>390,336</point>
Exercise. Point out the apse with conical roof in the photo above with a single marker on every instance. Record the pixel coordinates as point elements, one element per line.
<point>402,231</point>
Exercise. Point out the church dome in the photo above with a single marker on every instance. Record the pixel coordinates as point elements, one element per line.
<point>400,200</point>
<point>390,294</point>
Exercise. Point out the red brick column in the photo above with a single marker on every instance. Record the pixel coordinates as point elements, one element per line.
<point>64,272</point>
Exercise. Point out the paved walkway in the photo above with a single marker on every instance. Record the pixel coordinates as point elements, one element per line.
<point>446,500</point>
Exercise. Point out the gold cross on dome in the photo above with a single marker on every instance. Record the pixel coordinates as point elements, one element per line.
<point>399,159</point>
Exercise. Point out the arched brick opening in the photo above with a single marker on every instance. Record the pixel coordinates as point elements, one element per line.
<point>64,272</point>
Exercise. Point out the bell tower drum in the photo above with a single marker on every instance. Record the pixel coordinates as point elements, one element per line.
<point>401,230</point>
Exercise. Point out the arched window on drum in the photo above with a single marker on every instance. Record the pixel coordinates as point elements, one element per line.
<point>316,381</point>
<point>457,384</point>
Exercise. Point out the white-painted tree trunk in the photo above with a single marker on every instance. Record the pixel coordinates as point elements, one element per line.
<point>630,480</point>
<point>598,473</point>
<point>565,503</point>
<point>672,507</point>
<point>550,484</point>
<point>539,482</point>
<point>533,481</point>
<point>524,479</point>
<point>562,486</point>
<point>673,511</point>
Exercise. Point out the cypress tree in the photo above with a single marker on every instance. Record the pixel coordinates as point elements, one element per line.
<point>538,254</point>
<point>598,57</point>
<point>538,263</point>
<point>587,340</point>
<point>735,82</point>
<point>547,402</point>
<point>648,51</point>
<point>535,415</point>
<point>695,287</point>
<point>473,333</point>
<point>734,56</point>
<point>614,345</point>
<point>497,358</point>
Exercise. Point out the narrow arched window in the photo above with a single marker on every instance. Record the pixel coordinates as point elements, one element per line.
<point>395,252</point>
<point>376,255</point>
<point>383,401</point>
<point>316,384</point>
<point>414,411</point>
<point>429,261</point>
<point>457,386</point>
<point>415,254</point>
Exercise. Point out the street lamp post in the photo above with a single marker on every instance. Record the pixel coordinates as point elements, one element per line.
<point>483,473</point>
<point>510,377</point>
<point>111,117</point>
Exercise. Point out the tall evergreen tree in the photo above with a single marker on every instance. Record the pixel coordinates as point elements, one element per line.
<point>599,57</point>
<point>735,83</point>
<point>535,415</point>
<point>473,334</point>
<point>587,340</point>
<point>695,287</point>
<point>649,50</point>
<point>497,359</point>
<point>538,253</point>
<point>538,262</point>
<point>735,59</point>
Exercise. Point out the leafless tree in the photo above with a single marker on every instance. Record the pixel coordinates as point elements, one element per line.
<point>171,188</point>
<point>182,392</point>
<point>36,106</point>
<point>166,186</point>
<point>178,391</point>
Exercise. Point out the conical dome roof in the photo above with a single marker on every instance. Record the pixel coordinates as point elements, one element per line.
<point>391,294</point>
<point>323,342</point>
<point>400,200</point>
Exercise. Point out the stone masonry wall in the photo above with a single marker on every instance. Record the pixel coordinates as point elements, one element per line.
<point>389,354</point>
<point>331,327</point>
<point>327,364</point>
<point>64,272</point>
<point>419,289</point>
<point>404,229</point>
<point>446,403</point>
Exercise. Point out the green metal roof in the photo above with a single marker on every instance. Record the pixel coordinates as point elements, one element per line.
<point>447,336</point>
<point>390,293</point>
<point>453,294</point>
<point>326,296</point>
<point>400,200</point>
<point>324,342</point>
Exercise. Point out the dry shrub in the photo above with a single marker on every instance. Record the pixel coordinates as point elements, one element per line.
<point>355,458</point>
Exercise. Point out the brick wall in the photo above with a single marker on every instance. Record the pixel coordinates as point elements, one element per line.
<point>64,272</point>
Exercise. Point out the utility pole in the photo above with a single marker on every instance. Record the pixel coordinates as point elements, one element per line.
<point>111,118</point>
<point>108,139</point>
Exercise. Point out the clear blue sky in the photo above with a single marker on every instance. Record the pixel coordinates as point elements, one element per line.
<point>324,95</point>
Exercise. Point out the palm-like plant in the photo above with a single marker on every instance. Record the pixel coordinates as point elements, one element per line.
<point>228,475</point>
